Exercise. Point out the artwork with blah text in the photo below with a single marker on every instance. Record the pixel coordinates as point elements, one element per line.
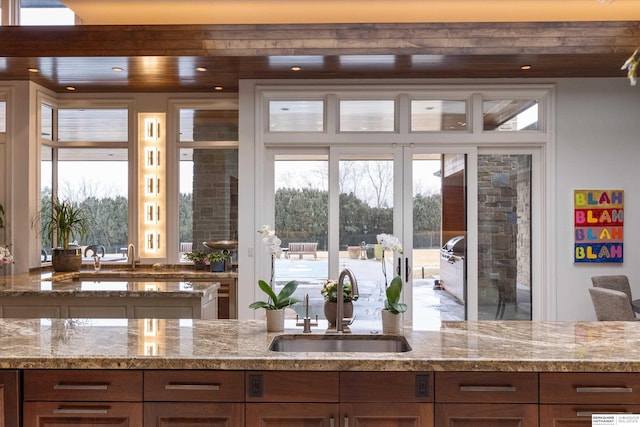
<point>598,218</point>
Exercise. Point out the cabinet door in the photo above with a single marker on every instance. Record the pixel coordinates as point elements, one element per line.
<point>383,415</point>
<point>292,415</point>
<point>579,415</point>
<point>82,414</point>
<point>486,415</point>
<point>194,414</point>
<point>9,399</point>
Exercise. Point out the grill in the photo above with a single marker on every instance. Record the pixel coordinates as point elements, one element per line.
<point>452,267</point>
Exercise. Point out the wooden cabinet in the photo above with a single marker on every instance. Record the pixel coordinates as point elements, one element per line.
<point>386,398</point>
<point>339,399</point>
<point>9,399</point>
<point>198,398</point>
<point>303,399</point>
<point>227,300</point>
<point>486,399</point>
<point>82,398</point>
<point>569,399</point>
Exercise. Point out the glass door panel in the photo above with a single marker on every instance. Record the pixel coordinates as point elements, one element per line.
<point>504,236</point>
<point>437,203</point>
<point>301,222</point>
<point>366,205</point>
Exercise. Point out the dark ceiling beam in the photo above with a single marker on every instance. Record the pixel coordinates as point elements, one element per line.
<point>556,38</point>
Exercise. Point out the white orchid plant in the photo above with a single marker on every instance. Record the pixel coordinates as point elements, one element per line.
<point>391,243</point>
<point>272,246</point>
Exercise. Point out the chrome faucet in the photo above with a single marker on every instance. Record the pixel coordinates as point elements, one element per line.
<point>306,323</point>
<point>131,255</point>
<point>340,299</point>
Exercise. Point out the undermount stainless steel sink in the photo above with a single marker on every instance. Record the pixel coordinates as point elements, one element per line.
<point>340,343</point>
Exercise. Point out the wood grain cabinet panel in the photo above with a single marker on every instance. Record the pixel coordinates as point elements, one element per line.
<point>82,385</point>
<point>382,415</point>
<point>590,387</point>
<point>486,415</point>
<point>10,399</point>
<point>487,387</point>
<point>184,414</point>
<point>82,414</point>
<point>579,415</point>
<point>194,386</point>
<point>292,387</point>
<point>386,387</point>
<point>298,415</point>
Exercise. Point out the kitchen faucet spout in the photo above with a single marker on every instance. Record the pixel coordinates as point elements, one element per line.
<point>131,255</point>
<point>340,299</point>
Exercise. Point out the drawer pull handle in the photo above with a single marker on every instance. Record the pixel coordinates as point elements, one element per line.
<point>81,410</point>
<point>590,413</point>
<point>487,388</point>
<point>62,386</point>
<point>195,387</point>
<point>604,390</point>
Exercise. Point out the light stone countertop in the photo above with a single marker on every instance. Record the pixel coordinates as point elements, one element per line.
<point>142,282</point>
<point>243,345</point>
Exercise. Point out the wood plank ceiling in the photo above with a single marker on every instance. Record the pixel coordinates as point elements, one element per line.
<point>166,57</point>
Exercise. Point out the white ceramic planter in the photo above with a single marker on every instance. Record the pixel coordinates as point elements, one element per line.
<point>391,323</point>
<point>275,320</point>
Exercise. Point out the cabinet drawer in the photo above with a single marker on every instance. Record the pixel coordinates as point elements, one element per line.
<point>194,386</point>
<point>605,388</point>
<point>484,414</point>
<point>489,387</point>
<point>83,385</point>
<point>386,387</point>
<point>292,387</point>
<point>113,414</point>
<point>579,415</point>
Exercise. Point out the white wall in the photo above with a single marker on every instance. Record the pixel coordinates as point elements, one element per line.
<point>598,147</point>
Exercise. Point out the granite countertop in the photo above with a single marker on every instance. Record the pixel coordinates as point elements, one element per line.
<point>143,282</point>
<point>244,345</point>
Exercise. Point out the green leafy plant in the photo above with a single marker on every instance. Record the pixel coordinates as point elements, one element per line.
<point>277,302</point>
<point>196,256</point>
<point>392,303</point>
<point>330,290</point>
<point>63,221</point>
<point>216,255</point>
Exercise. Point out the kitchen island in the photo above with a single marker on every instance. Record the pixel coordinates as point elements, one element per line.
<point>184,372</point>
<point>109,294</point>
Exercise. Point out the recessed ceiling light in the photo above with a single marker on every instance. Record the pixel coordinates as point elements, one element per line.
<point>71,88</point>
<point>201,69</point>
<point>218,88</point>
<point>525,67</point>
<point>296,68</point>
<point>117,69</point>
<point>33,70</point>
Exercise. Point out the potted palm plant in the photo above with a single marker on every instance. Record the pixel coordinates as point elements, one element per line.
<point>62,222</point>
<point>393,308</point>
<point>276,304</point>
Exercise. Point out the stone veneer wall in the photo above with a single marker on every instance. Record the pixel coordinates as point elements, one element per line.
<point>215,178</point>
<point>215,195</point>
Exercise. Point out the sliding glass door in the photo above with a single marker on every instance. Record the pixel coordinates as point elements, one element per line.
<point>330,207</point>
